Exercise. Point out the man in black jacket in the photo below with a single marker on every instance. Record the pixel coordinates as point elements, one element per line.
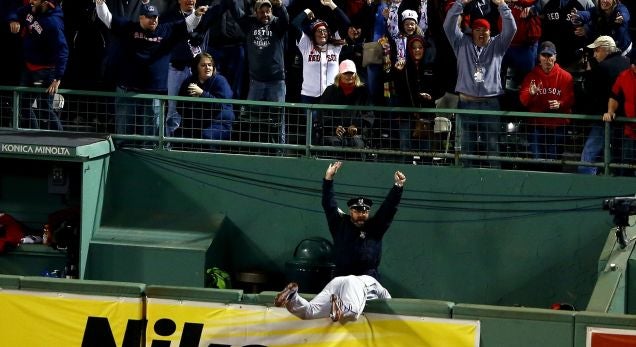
<point>601,73</point>
<point>358,237</point>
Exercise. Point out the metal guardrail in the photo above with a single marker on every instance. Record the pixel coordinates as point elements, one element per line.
<point>386,134</point>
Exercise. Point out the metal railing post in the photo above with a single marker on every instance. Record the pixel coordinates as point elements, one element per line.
<point>607,154</point>
<point>162,124</point>
<point>308,131</point>
<point>16,109</point>
<point>458,138</point>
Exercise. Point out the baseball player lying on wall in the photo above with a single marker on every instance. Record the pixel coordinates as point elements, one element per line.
<point>343,298</point>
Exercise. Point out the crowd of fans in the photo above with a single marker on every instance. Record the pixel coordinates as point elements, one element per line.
<point>518,55</point>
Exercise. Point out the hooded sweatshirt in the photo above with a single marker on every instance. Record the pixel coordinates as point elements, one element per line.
<point>557,84</point>
<point>44,43</point>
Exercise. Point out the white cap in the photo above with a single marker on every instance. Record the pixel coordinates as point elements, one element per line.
<point>603,41</point>
<point>409,14</point>
<point>347,66</point>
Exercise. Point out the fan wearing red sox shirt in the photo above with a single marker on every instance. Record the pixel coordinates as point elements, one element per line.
<point>547,89</point>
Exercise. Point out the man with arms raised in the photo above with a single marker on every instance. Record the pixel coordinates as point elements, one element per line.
<point>358,237</point>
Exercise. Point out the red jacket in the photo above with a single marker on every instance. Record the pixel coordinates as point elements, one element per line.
<point>12,234</point>
<point>625,89</point>
<point>555,85</point>
<point>528,29</point>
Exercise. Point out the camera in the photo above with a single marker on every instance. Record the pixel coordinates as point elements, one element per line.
<point>583,56</point>
<point>621,208</point>
<point>620,205</point>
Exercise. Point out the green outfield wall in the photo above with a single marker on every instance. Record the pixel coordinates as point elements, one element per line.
<point>476,236</point>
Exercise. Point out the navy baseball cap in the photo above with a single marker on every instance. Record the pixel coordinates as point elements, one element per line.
<point>547,47</point>
<point>360,203</point>
<point>149,11</point>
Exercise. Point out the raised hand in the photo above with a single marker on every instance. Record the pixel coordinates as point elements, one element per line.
<point>399,178</point>
<point>201,10</point>
<point>332,170</point>
<point>328,3</point>
<point>14,27</point>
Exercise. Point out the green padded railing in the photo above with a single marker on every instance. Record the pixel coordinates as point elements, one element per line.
<point>411,307</point>
<point>194,294</point>
<point>10,282</point>
<point>519,326</point>
<point>88,287</point>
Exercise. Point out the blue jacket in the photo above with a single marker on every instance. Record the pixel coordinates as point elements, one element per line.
<point>182,54</point>
<point>207,120</point>
<point>146,54</point>
<point>43,37</point>
<point>598,25</point>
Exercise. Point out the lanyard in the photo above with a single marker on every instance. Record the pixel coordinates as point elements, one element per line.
<point>478,51</point>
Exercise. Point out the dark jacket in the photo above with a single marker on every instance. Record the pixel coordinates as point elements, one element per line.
<point>357,251</point>
<point>598,81</point>
<point>556,27</point>
<point>44,43</point>
<point>182,53</point>
<point>225,30</point>
<point>414,79</point>
<point>598,25</point>
<point>352,50</point>
<point>146,54</point>
<point>265,43</point>
<point>330,119</point>
<point>484,9</point>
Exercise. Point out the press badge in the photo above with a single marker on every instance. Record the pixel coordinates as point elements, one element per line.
<point>479,74</point>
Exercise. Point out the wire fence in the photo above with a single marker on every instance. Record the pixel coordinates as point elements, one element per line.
<point>445,137</point>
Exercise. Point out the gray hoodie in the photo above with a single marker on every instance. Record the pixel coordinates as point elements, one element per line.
<point>489,58</point>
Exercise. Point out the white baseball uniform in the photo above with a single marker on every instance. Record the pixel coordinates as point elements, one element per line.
<point>354,291</point>
<point>320,66</point>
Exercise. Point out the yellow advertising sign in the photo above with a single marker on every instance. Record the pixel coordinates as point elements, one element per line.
<point>30,319</point>
<point>192,324</point>
<point>44,319</point>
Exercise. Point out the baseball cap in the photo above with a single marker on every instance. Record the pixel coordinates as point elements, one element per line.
<point>260,3</point>
<point>602,41</point>
<point>360,203</point>
<point>148,11</point>
<point>480,23</point>
<point>347,66</point>
<point>547,47</point>
<point>409,14</point>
